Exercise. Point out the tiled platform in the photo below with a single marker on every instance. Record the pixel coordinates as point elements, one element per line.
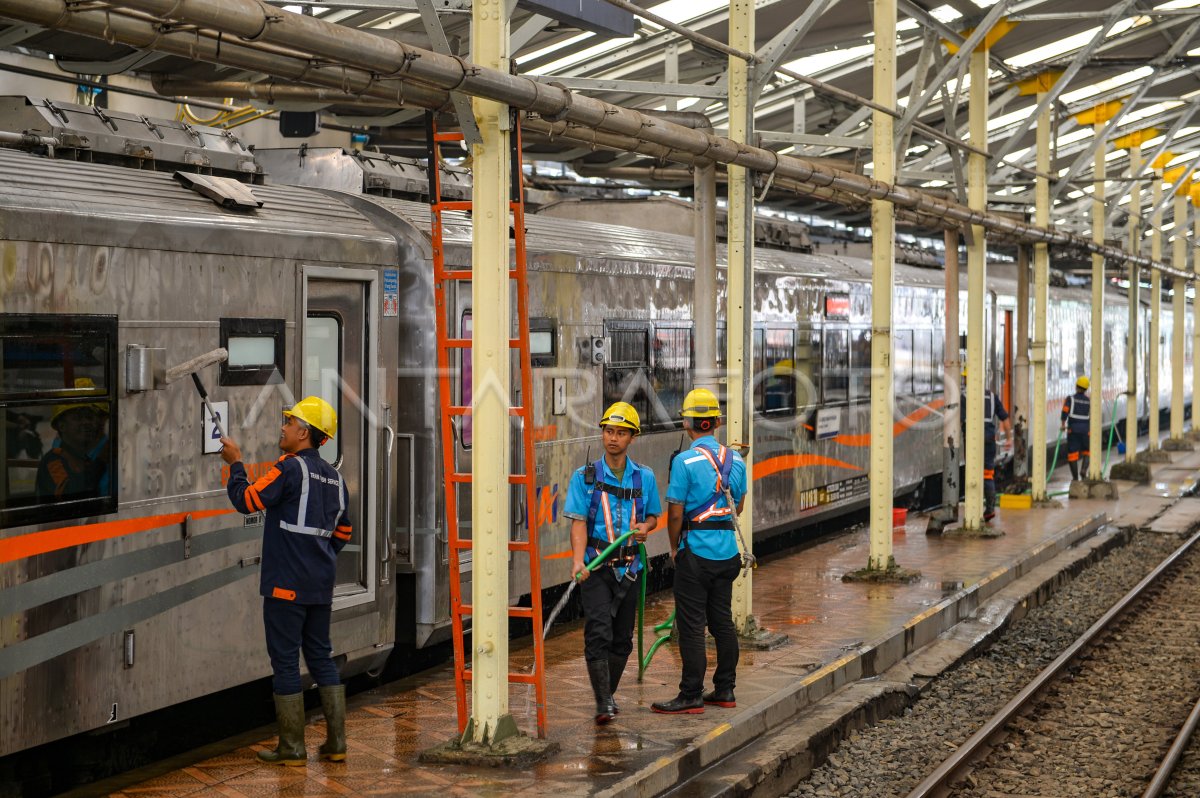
<point>837,631</point>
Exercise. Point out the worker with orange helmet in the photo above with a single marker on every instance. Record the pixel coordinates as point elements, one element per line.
<point>305,502</point>
<point>704,549</point>
<point>606,499</point>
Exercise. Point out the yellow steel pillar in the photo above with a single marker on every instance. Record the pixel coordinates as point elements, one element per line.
<point>882,288</point>
<point>1179,261</point>
<point>1154,347</point>
<point>739,307</point>
<point>1041,295</point>
<point>976,288</point>
<point>492,322</point>
<point>1131,345</point>
<point>1195,195</point>
<point>1096,442</point>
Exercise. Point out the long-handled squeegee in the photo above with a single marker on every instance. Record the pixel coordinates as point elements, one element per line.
<point>219,355</point>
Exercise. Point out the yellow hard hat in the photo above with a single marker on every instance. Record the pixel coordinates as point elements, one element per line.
<point>317,413</point>
<point>1083,382</point>
<point>81,384</point>
<point>701,403</point>
<point>784,368</point>
<point>622,414</point>
<point>964,372</point>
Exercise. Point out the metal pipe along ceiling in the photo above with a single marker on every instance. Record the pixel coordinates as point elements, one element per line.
<point>361,63</point>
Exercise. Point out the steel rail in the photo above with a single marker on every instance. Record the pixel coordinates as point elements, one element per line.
<point>940,777</point>
<point>358,62</point>
<point>1162,776</point>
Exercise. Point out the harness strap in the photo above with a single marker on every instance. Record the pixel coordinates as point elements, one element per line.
<point>600,503</point>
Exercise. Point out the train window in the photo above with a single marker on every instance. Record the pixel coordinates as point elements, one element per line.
<point>778,375</point>
<point>58,402</point>
<point>323,369</point>
<point>922,361</point>
<point>671,377</point>
<point>1081,365</point>
<point>256,350</point>
<point>760,364</point>
<point>808,367</point>
<point>835,365</point>
<point>1108,349</point>
<point>627,373</point>
<point>902,362</point>
<point>543,342</point>
<point>860,365</point>
<point>939,360</point>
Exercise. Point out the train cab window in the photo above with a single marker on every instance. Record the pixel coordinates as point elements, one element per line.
<point>902,362</point>
<point>939,360</point>
<point>671,377</point>
<point>543,342</point>
<point>256,351</point>
<point>860,365</point>
<point>922,361</point>
<point>58,400</point>
<point>835,365</point>
<point>778,375</point>
<point>627,372</point>
<point>322,370</point>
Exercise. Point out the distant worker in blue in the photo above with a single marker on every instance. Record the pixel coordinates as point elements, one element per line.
<point>305,501</point>
<point>705,551</point>
<point>605,500</point>
<point>1076,421</point>
<point>994,415</point>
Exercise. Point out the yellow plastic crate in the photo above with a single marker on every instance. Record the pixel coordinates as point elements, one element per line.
<point>1010,501</point>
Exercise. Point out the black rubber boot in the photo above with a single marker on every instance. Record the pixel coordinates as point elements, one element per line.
<point>1074,471</point>
<point>679,705</point>
<point>616,667</point>
<point>989,505</point>
<point>721,698</point>
<point>289,711</point>
<point>333,704</point>
<point>598,673</point>
<point>1083,467</point>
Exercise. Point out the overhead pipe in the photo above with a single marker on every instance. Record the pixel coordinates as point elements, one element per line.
<point>370,65</point>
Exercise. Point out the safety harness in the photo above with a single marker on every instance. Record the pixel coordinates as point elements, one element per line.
<point>601,503</point>
<point>708,515</point>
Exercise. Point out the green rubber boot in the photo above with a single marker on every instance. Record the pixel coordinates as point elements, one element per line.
<point>289,711</point>
<point>333,703</point>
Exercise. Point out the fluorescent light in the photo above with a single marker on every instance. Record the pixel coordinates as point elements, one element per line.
<point>536,54</point>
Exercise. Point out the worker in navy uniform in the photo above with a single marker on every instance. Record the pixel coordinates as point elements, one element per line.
<point>704,549</point>
<point>605,500</point>
<point>1076,421</point>
<point>994,415</point>
<point>306,525</point>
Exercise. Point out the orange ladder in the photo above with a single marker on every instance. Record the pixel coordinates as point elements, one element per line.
<point>443,278</point>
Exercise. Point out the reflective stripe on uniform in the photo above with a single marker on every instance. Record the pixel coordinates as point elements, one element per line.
<point>712,510</point>
<point>1071,414</point>
<point>300,527</point>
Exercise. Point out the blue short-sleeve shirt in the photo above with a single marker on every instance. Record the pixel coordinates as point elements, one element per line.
<point>692,483</point>
<point>621,511</point>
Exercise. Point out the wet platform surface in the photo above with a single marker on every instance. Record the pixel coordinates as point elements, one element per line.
<point>800,594</point>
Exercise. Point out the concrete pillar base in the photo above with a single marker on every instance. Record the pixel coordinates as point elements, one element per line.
<point>1154,456</point>
<point>940,518</point>
<point>512,750</point>
<point>759,640</point>
<point>1177,445</point>
<point>984,531</point>
<point>1048,504</point>
<point>1093,489</point>
<point>893,573</point>
<point>1133,472</point>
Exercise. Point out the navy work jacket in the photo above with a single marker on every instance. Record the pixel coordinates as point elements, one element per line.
<point>305,500</point>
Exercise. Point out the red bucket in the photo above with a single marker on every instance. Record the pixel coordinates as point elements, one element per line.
<point>899,517</point>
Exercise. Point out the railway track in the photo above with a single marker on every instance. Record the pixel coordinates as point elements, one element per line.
<point>1100,719</point>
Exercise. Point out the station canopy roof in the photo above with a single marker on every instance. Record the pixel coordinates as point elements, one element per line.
<point>1133,59</point>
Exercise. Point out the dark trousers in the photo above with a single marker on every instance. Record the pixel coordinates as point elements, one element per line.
<point>291,627</point>
<point>609,609</point>
<point>989,472</point>
<point>1077,446</point>
<point>704,596</point>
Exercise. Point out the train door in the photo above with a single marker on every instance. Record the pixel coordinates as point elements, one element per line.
<point>338,351</point>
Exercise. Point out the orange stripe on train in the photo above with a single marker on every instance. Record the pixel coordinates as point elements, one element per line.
<point>22,546</point>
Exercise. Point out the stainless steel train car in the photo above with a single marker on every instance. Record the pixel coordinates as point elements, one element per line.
<point>136,588</point>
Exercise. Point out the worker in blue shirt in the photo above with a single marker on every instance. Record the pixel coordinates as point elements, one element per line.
<point>705,551</point>
<point>605,500</point>
<point>305,502</point>
<point>1076,422</point>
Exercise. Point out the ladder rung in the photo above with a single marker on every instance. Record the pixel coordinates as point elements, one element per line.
<point>456,274</point>
<point>454,205</point>
<point>514,343</point>
<point>458,343</point>
<point>461,544</point>
<point>513,545</point>
<point>460,477</point>
<point>450,136</point>
<point>517,410</point>
<point>518,479</point>
<point>513,612</point>
<point>513,678</point>
<point>459,410</point>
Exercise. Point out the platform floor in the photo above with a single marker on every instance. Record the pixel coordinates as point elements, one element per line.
<point>800,594</point>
